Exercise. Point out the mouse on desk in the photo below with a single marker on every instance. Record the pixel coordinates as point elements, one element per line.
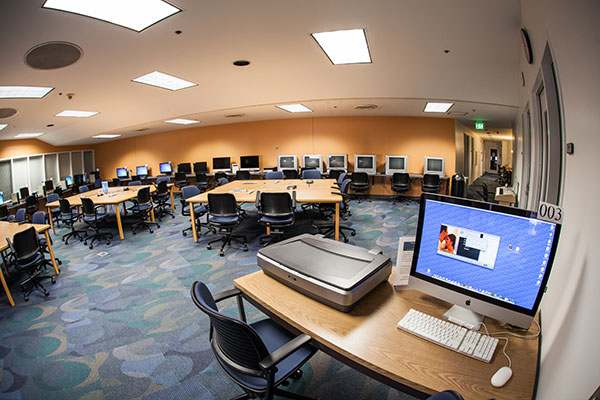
<point>501,376</point>
<point>291,187</point>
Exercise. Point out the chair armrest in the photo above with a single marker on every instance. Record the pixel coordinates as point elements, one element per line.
<point>227,294</point>
<point>281,353</point>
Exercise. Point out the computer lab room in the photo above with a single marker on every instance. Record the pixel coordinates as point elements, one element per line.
<point>320,200</point>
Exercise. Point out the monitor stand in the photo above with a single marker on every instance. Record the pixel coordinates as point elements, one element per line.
<point>464,317</point>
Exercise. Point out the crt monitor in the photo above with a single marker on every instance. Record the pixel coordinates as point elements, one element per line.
<point>487,259</point>
<point>221,164</point>
<point>287,162</point>
<point>249,163</point>
<point>337,161</point>
<point>24,192</point>
<point>313,161</point>
<point>1,198</point>
<point>68,181</point>
<point>186,168</point>
<point>165,167</point>
<point>141,170</point>
<point>434,166</point>
<point>49,185</point>
<point>121,173</point>
<point>78,179</point>
<point>200,166</point>
<point>365,163</point>
<point>395,164</point>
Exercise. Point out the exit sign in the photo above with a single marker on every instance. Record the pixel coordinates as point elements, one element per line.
<point>479,125</point>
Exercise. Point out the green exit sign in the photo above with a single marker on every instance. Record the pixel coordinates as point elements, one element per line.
<point>479,125</point>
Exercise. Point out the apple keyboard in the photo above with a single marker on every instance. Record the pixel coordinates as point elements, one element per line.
<point>449,335</point>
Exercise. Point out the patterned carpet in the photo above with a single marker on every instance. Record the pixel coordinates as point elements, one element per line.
<point>122,325</point>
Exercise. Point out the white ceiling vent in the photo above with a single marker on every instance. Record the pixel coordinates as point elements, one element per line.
<point>366,107</point>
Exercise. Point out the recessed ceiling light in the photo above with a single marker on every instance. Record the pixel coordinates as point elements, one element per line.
<point>78,114</point>
<point>105,136</point>
<point>132,14</point>
<point>241,63</point>
<point>23,92</point>
<point>294,108</point>
<point>344,47</point>
<point>28,135</point>
<point>2,126</point>
<point>182,121</point>
<point>437,107</point>
<point>164,81</point>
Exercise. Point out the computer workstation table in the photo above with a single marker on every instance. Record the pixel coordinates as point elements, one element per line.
<point>7,231</point>
<point>319,191</point>
<point>367,339</point>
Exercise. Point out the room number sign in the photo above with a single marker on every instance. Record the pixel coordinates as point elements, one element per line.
<point>550,212</point>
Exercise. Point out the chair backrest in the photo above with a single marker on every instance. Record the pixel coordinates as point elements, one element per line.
<point>311,174</point>
<point>274,175</point>
<point>290,174</point>
<point>431,180</point>
<point>84,188</point>
<point>335,173</point>
<point>20,215</point>
<point>135,183</point>
<point>180,176</point>
<point>163,178</point>
<point>97,183</point>
<point>400,178</point>
<point>222,205</point>
<point>189,191</point>
<point>276,204</point>
<point>223,181</point>
<point>143,196</point>
<point>201,178</point>
<point>65,206</point>
<point>52,197</point>
<point>116,182</point>
<point>341,178</point>
<point>345,185</point>
<point>88,206</point>
<point>3,212</point>
<point>360,178</point>
<point>31,201</point>
<point>219,175</point>
<point>38,217</point>
<point>242,175</point>
<point>162,188</point>
<point>58,190</point>
<point>234,343</point>
<point>25,244</point>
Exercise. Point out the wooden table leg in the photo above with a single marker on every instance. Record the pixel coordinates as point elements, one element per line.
<point>10,299</point>
<point>337,221</point>
<point>51,221</point>
<point>172,200</point>
<point>119,225</point>
<point>51,252</point>
<point>194,233</point>
<point>152,215</point>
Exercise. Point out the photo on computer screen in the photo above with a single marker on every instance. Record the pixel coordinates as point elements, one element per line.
<point>467,245</point>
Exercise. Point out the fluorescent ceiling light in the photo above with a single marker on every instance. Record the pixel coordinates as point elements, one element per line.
<point>294,108</point>
<point>105,136</point>
<point>132,14</point>
<point>181,121</point>
<point>23,92</point>
<point>164,81</point>
<point>74,113</point>
<point>438,107</point>
<point>28,135</point>
<point>2,126</point>
<point>344,47</point>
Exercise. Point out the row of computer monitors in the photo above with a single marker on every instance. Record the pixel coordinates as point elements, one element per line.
<point>362,163</point>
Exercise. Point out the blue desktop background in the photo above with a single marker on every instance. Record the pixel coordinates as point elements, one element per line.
<point>515,275</point>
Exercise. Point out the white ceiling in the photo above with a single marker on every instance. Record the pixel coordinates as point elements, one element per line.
<point>407,39</point>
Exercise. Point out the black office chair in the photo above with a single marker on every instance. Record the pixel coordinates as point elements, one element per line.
<point>180,180</point>
<point>258,356</point>
<point>446,395</point>
<point>161,198</point>
<point>58,190</point>
<point>400,182</point>
<point>116,182</point>
<point>84,188</point>
<point>69,215</point>
<point>360,183</point>
<point>199,209</point>
<point>485,193</point>
<point>3,212</point>
<point>328,229</point>
<point>218,176</point>
<point>276,212</point>
<point>290,174</point>
<point>31,205</point>
<point>202,181</point>
<point>39,217</point>
<point>143,209</point>
<point>430,183</point>
<point>97,183</point>
<point>311,174</point>
<point>27,257</point>
<point>94,216</point>
<point>222,181</point>
<point>224,216</point>
<point>242,176</point>
<point>335,173</point>
<point>274,175</point>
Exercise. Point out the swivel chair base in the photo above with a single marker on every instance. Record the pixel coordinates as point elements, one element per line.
<point>328,230</point>
<point>73,233</point>
<point>226,241</point>
<point>97,236</point>
<point>144,224</point>
<point>33,282</point>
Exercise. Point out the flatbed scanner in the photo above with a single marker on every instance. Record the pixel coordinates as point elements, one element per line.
<point>332,272</point>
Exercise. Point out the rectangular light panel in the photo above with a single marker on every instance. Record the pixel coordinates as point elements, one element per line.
<point>294,108</point>
<point>181,121</point>
<point>132,14</point>
<point>2,126</point>
<point>105,136</point>
<point>344,47</point>
<point>77,114</point>
<point>28,135</point>
<point>438,107</point>
<point>164,81</point>
<point>23,92</point>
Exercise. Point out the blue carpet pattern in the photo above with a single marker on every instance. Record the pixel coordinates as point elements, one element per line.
<point>122,325</point>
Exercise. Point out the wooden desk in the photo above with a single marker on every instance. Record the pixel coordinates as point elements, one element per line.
<point>8,230</point>
<point>367,339</point>
<point>115,196</point>
<point>319,191</point>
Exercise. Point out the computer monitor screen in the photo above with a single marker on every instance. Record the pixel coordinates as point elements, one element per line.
<point>84,177</point>
<point>186,168</point>
<point>395,164</point>
<point>165,167</point>
<point>78,179</point>
<point>434,165</point>
<point>249,163</point>
<point>49,185</point>
<point>68,181</point>
<point>1,198</point>
<point>337,161</point>
<point>490,259</point>
<point>287,162</point>
<point>24,192</point>
<point>365,163</point>
<point>141,170</point>
<point>95,174</point>
<point>312,161</point>
<point>121,172</point>
<point>200,166</point>
<point>221,164</point>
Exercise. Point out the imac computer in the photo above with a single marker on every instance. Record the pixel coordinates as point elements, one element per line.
<point>221,164</point>
<point>185,167</point>
<point>434,166</point>
<point>337,161</point>
<point>365,163</point>
<point>141,171</point>
<point>200,166</point>
<point>49,185</point>
<point>68,182</point>
<point>287,162</point>
<point>486,259</point>
<point>165,168</point>
<point>122,173</point>
<point>312,161</point>
<point>395,164</point>
<point>249,163</point>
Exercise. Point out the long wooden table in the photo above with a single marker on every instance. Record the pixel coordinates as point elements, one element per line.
<point>8,230</point>
<point>367,339</point>
<point>115,196</point>
<point>320,191</point>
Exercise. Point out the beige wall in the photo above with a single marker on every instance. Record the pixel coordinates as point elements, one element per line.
<point>27,147</point>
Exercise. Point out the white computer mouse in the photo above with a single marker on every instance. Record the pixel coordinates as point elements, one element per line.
<point>501,377</point>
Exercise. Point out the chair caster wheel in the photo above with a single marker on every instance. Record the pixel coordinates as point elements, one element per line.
<point>296,375</point>
<point>345,240</point>
<point>53,280</point>
<point>59,262</point>
<point>209,247</point>
<point>157,226</point>
<point>285,383</point>
<point>246,248</point>
<point>91,246</point>
<point>85,242</point>
<point>46,293</point>
<point>151,231</point>
<point>184,234</point>
<point>26,298</point>
<point>133,232</point>
<point>221,254</point>
<point>107,242</point>
<point>353,233</point>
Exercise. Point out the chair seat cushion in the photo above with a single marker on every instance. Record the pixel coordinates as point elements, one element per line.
<point>141,208</point>
<point>91,218</point>
<point>359,186</point>
<point>224,220</point>
<point>199,210</point>
<point>276,221</point>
